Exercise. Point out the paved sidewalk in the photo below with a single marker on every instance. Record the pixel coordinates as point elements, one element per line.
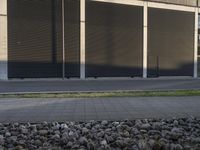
<point>38,110</point>
<point>20,86</point>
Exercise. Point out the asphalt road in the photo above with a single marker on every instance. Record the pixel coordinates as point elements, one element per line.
<point>39,110</point>
<point>20,86</point>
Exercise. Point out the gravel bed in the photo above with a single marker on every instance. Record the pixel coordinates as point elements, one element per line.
<point>147,134</point>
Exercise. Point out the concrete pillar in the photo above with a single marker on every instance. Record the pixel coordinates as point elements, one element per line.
<point>196,44</point>
<point>145,39</point>
<point>82,39</point>
<point>3,40</point>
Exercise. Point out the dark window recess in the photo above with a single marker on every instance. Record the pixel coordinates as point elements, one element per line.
<point>72,38</point>
<point>35,39</point>
<point>114,40</point>
<point>170,43</point>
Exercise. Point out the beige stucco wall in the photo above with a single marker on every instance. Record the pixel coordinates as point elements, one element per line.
<point>181,2</point>
<point>3,39</point>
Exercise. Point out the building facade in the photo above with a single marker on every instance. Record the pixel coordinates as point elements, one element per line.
<point>98,38</point>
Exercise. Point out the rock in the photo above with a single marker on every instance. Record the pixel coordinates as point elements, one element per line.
<point>135,131</point>
<point>187,147</point>
<point>178,147</point>
<point>65,135</point>
<point>151,142</point>
<point>13,139</point>
<point>56,137</point>
<point>119,128</point>
<point>56,126</point>
<point>64,138</point>
<point>126,134</point>
<point>69,144</point>
<point>103,142</point>
<point>64,126</point>
<point>143,145</point>
<point>97,126</point>
<point>172,146</point>
<point>75,146</point>
<point>71,133</point>
<point>45,123</point>
<point>16,124</point>
<point>120,143</point>
<point>37,142</point>
<point>109,139</point>
<point>145,126</point>
<point>154,132</point>
<point>57,132</point>
<point>7,134</point>
<point>85,131</point>
<point>157,125</point>
<point>143,131</point>
<point>104,122</point>
<point>19,147</point>
<point>43,132</point>
<point>115,123</point>
<point>33,128</point>
<point>83,141</point>
<point>91,146</point>
<point>134,147</point>
<point>1,140</point>
<point>197,147</point>
<point>22,143</point>
<point>88,126</point>
<point>100,134</point>
<point>155,144</point>
<point>176,133</point>
<point>175,123</point>
<point>196,140</point>
<point>24,131</point>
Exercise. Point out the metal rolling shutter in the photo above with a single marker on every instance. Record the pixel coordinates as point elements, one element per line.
<point>170,42</point>
<point>72,38</point>
<point>35,39</point>
<point>114,40</point>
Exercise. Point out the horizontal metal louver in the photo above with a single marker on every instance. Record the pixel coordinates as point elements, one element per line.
<point>35,38</point>
<point>34,42</point>
<point>72,38</point>
<point>114,39</point>
<point>170,42</point>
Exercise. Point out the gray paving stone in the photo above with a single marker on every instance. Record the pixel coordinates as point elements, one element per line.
<point>39,110</point>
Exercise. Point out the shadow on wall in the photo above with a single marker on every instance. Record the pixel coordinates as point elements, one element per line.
<point>51,70</point>
<point>185,69</point>
<point>41,70</point>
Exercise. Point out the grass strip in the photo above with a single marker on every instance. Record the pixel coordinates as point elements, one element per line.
<point>105,94</point>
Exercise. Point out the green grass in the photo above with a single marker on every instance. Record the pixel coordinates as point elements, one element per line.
<point>105,94</point>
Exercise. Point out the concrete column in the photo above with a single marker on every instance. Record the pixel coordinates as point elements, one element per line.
<point>82,39</point>
<point>3,40</point>
<point>196,44</point>
<point>145,40</point>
